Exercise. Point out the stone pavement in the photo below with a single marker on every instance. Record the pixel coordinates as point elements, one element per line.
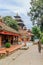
<point>24,57</point>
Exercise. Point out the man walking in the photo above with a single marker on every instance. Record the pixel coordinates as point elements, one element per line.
<point>39,46</point>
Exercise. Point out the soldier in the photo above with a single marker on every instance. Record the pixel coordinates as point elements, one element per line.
<point>39,46</point>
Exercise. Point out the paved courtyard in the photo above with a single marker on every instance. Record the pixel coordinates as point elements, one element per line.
<point>24,57</point>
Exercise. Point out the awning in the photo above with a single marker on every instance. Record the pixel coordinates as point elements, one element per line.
<point>8,33</point>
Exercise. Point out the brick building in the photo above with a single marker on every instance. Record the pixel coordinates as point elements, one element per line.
<point>7,34</point>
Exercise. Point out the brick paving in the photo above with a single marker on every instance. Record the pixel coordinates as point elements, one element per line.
<point>24,57</point>
<point>11,49</point>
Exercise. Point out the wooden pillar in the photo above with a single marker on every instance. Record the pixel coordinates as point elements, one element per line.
<point>9,39</point>
<point>14,39</point>
<point>17,39</point>
<point>0,40</point>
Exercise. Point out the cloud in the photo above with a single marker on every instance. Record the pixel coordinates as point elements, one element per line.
<point>20,6</point>
<point>26,20</point>
<point>10,7</point>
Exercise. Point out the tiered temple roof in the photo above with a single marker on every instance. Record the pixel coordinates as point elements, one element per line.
<point>19,21</point>
<point>4,29</point>
<point>7,28</point>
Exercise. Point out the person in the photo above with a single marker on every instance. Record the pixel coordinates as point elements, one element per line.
<point>39,46</point>
<point>4,41</point>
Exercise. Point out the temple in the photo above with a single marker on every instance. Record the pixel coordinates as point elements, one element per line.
<point>7,34</point>
<point>25,33</point>
<point>19,21</point>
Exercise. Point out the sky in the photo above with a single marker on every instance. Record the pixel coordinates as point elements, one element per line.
<point>11,7</point>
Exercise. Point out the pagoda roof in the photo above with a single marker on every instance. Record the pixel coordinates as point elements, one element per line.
<point>21,24</point>
<point>4,27</point>
<point>17,16</point>
<point>19,20</point>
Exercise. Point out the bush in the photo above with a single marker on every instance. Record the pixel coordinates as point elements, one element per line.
<point>7,45</point>
<point>41,35</point>
<point>41,40</point>
<point>36,31</point>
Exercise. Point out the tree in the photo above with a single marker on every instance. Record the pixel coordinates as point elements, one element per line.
<point>8,20</point>
<point>36,12</point>
<point>36,31</point>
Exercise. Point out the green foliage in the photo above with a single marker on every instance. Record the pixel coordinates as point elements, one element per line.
<point>41,35</point>
<point>7,45</point>
<point>36,9</point>
<point>10,22</point>
<point>41,27</point>
<point>36,12</point>
<point>41,40</point>
<point>36,31</point>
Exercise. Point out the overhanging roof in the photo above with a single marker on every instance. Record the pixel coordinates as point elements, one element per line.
<point>6,28</point>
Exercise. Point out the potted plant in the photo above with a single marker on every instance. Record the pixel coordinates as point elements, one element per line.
<point>7,45</point>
